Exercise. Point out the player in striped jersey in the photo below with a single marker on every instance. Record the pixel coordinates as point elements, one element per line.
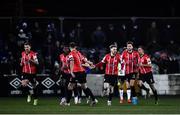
<point>29,64</point>
<point>111,60</point>
<point>145,72</point>
<point>130,61</point>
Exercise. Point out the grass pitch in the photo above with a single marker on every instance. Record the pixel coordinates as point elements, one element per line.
<point>50,105</point>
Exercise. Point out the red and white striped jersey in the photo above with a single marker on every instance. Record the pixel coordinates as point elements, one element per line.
<point>64,63</point>
<point>130,61</point>
<point>145,59</point>
<point>27,66</point>
<point>111,64</point>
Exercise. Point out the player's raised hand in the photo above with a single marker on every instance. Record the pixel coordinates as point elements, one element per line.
<point>92,66</point>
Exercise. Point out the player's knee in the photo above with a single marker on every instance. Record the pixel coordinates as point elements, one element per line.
<point>106,85</point>
<point>111,89</point>
<point>78,85</point>
<point>84,86</point>
<point>24,83</point>
<point>152,87</point>
<point>132,83</point>
<point>139,83</point>
<point>70,86</point>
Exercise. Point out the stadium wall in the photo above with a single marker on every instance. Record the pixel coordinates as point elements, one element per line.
<point>166,84</point>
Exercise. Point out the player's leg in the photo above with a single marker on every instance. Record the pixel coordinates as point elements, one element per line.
<point>111,92</point>
<point>132,86</point>
<point>25,88</point>
<point>79,89</point>
<point>121,81</point>
<point>141,85</point>
<point>154,92</point>
<point>112,83</point>
<point>75,90</point>
<point>87,91</point>
<point>106,86</point>
<point>127,81</point>
<point>63,88</point>
<point>66,90</point>
<point>150,81</point>
<point>71,86</point>
<point>35,89</point>
<point>133,92</point>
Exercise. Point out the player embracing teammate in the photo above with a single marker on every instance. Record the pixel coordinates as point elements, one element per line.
<point>77,71</point>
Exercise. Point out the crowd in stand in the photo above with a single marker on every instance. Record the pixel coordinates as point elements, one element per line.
<point>93,38</point>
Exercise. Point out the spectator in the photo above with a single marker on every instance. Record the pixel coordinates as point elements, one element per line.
<point>122,35</point>
<point>152,35</point>
<point>112,35</point>
<point>98,37</point>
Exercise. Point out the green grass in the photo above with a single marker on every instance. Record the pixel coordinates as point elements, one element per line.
<point>167,105</point>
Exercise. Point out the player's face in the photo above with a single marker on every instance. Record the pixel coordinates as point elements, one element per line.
<point>66,50</point>
<point>141,51</point>
<point>114,50</point>
<point>27,48</point>
<point>129,47</point>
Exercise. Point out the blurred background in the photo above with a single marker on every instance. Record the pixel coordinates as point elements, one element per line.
<point>94,25</point>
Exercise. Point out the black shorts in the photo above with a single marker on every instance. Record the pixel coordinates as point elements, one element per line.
<point>30,77</point>
<point>128,77</point>
<point>111,79</point>
<point>80,77</point>
<point>148,77</point>
<point>65,78</point>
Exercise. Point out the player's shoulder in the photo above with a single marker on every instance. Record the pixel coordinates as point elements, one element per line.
<point>135,51</point>
<point>61,55</point>
<point>107,55</point>
<point>79,53</point>
<point>73,52</point>
<point>33,53</point>
<point>23,52</point>
<point>118,54</point>
<point>124,52</point>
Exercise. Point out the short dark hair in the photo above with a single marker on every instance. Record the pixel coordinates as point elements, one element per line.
<point>72,44</point>
<point>27,43</point>
<point>112,45</point>
<point>129,42</point>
